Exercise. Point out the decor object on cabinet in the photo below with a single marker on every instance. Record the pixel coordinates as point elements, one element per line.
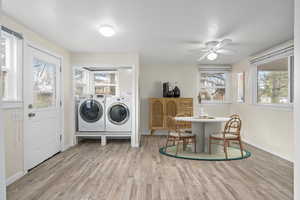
<point>165,89</point>
<point>161,108</point>
<point>176,91</point>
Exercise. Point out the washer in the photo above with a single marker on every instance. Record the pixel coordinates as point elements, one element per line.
<point>118,114</point>
<point>91,114</point>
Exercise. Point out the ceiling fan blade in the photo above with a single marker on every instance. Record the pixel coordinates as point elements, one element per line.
<point>223,43</point>
<point>203,56</point>
<point>225,52</point>
<point>199,50</point>
<point>211,44</point>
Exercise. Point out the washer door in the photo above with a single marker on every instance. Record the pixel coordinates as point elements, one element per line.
<point>118,114</point>
<point>91,110</point>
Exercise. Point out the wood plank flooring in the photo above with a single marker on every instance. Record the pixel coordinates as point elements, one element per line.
<point>89,171</point>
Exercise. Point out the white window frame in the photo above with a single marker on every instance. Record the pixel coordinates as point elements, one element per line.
<point>288,106</point>
<point>237,87</point>
<point>85,82</point>
<point>15,97</point>
<point>227,86</point>
<point>93,85</point>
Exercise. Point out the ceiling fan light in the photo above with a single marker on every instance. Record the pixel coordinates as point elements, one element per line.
<point>212,56</point>
<point>107,31</point>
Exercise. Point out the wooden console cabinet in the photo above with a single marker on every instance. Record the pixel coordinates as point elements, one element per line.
<point>161,108</point>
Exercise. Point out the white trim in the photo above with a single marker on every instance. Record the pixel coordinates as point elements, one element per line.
<point>283,49</point>
<point>67,146</point>
<point>14,178</point>
<point>135,100</point>
<point>215,68</point>
<point>12,104</point>
<point>26,44</point>
<point>253,74</point>
<point>266,150</point>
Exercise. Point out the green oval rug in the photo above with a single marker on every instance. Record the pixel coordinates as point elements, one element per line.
<point>233,154</point>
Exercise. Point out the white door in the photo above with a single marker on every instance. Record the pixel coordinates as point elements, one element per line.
<point>42,113</point>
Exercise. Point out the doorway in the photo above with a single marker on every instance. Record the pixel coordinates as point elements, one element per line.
<point>42,106</point>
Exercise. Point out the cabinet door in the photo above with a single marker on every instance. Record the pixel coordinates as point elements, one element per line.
<point>185,106</point>
<point>171,109</point>
<point>156,114</point>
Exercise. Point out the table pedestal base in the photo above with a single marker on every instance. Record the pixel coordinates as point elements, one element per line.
<point>202,132</point>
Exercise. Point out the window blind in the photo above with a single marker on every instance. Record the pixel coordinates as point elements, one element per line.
<point>9,31</point>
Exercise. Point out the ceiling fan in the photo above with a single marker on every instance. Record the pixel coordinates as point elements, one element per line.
<point>212,49</point>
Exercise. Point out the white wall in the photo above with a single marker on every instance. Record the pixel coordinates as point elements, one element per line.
<point>116,60</point>
<point>13,125</point>
<point>297,102</point>
<point>267,128</point>
<point>125,81</point>
<point>186,76</point>
<point>2,143</point>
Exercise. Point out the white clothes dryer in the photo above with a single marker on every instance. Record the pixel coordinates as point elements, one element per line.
<point>118,114</point>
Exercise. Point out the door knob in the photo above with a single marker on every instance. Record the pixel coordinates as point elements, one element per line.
<point>31,115</point>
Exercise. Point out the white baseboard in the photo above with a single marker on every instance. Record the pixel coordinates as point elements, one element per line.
<point>264,149</point>
<point>14,178</point>
<point>67,146</point>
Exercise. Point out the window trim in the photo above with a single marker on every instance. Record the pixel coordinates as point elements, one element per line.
<point>227,87</point>
<point>17,70</point>
<point>288,106</point>
<point>237,100</point>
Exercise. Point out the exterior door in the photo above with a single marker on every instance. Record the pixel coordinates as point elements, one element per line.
<point>42,112</point>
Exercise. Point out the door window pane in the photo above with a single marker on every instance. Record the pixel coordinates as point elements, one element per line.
<point>273,82</point>
<point>44,84</point>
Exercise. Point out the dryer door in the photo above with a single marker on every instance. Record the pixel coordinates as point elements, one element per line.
<point>118,114</point>
<point>91,110</point>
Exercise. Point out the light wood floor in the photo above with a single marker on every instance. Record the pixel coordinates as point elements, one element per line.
<point>118,172</point>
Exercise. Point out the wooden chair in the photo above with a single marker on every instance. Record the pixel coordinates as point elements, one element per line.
<point>177,133</point>
<point>231,132</point>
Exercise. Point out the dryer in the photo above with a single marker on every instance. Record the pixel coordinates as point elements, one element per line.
<point>91,114</point>
<point>118,114</point>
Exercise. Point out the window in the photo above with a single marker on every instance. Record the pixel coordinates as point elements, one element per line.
<point>241,87</point>
<point>214,86</point>
<point>11,66</point>
<point>106,83</point>
<point>81,82</point>
<point>44,84</point>
<point>274,81</point>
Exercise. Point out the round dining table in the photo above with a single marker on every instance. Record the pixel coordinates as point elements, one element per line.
<point>202,128</point>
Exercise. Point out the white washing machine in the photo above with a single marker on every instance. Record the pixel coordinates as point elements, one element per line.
<point>118,114</point>
<point>91,114</point>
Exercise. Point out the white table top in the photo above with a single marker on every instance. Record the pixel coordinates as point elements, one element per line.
<point>198,119</point>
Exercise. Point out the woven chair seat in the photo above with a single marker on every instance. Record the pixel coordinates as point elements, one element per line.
<point>221,136</point>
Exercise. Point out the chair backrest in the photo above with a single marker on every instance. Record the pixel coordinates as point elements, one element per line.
<point>234,125</point>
